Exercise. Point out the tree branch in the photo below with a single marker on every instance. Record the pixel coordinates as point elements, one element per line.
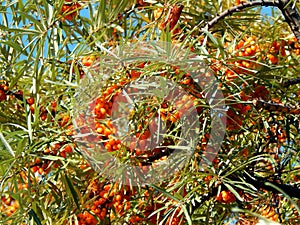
<point>258,183</point>
<point>261,183</point>
<point>290,13</point>
<point>238,8</point>
<point>291,82</point>
<point>291,16</point>
<point>275,107</point>
<point>204,197</point>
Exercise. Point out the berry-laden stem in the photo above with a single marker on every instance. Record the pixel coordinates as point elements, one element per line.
<point>258,183</point>
<point>290,13</point>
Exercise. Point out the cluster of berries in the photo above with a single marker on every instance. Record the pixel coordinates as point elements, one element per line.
<point>107,203</point>
<point>70,10</point>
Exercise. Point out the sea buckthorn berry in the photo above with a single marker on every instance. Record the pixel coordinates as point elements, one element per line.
<point>30,101</point>
<point>31,108</point>
<point>88,60</point>
<point>43,116</point>
<point>64,120</point>
<point>240,44</point>
<point>226,197</point>
<point>2,95</point>
<point>70,9</point>
<point>68,149</point>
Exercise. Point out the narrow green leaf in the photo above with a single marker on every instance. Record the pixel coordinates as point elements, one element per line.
<point>187,216</point>
<point>33,215</point>
<point>22,31</point>
<point>73,191</point>
<point>6,144</point>
<point>12,44</point>
<point>234,192</point>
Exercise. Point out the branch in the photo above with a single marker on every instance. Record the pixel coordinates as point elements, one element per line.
<point>275,107</point>
<point>290,14</point>
<point>261,183</point>
<point>204,197</point>
<point>156,156</point>
<point>291,82</point>
<point>239,8</point>
<point>257,183</point>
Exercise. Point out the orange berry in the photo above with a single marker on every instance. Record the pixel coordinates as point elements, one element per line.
<point>40,170</point>
<point>240,44</point>
<point>253,48</point>
<point>31,108</point>
<point>272,58</point>
<point>145,135</point>
<point>249,50</point>
<point>135,74</point>
<point>2,95</point>
<point>101,201</point>
<point>63,154</point>
<point>30,101</point>
<point>68,149</point>
<point>102,111</point>
<point>54,104</point>
<point>65,8</point>
<point>118,197</point>
<point>34,169</point>
<point>44,116</point>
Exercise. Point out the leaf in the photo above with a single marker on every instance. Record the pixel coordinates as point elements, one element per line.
<point>72,190</point>
<point>234,192</point>
<point>12,44</point>
<point>187,216</point>
<point>22,31</point>
<point>33,215</point>
<point>164,192</point>
<point>6,144</point>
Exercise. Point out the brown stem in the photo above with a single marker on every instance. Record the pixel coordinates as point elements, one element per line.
<point>204,197</point>
<point>291,16</point>
<point>261,183</point>
<point>258,183</point>
<point>238,8</point>
<point>290,13</point>
<point>291,82</point>
<point>275,107</point>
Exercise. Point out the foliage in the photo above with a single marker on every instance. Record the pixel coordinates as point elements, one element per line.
<point>47,48</point>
